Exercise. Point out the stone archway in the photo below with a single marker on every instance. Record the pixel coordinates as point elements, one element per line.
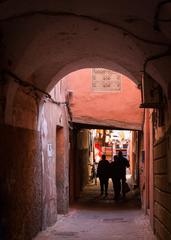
<point>46,48</point>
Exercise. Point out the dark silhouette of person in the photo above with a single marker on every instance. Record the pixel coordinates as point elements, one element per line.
<point>118,169</point>
<point>103,171</point>
<point>94,172</point>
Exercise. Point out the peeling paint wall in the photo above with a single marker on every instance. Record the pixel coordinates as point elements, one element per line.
<point>48,137</point>
<point>53,116</point>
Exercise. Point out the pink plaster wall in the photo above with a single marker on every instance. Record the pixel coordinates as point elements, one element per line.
<point>104,107</point>
<point>54,193</point>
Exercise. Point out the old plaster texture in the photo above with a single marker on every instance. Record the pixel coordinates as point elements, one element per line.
<point>20,182</point>
<point>115,108</point>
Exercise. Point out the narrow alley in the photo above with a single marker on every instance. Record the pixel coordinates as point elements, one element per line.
<point>82,82</point>
<point>94,217</point>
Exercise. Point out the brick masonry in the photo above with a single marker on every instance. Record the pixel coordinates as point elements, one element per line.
<point>162,192</point>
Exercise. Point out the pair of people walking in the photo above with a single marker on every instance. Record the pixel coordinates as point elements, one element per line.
<point>118,174</point>
<point>117,171</point>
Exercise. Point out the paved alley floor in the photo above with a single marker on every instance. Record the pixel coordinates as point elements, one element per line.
<point>98,218</point>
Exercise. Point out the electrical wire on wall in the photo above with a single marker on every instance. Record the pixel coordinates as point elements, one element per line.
<point>33,91</point>
<point>155,57</point>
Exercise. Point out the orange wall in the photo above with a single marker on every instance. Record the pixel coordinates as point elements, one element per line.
<point>104,107</point>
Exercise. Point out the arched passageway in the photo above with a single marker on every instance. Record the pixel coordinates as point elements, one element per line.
<point>114,107</point>
<point>79,155</point>
<point>42,43</point>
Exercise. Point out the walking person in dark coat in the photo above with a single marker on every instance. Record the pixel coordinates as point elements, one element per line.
<point>118,169</point>
<point>103,171</point>
<point>115,179</point>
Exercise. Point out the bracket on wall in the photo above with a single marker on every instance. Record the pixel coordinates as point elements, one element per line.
<point>151,93</point>
<point>152,97</point>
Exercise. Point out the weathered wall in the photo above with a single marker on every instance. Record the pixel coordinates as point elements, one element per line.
<point>79,156</point>
<point>72,159</point>
<point>20,181</point>
<point>55,169</point>
<point>142,170</point>
<point>48,138</point>
<point>83,156</point>
<point>162,191</point>
<point>146,165</point>
<point>62,171</point>
<point>162,172</point>
<point>24,111</point>
<point>20,171</point>
<point>60,165</point>
<point>134,158</point>
<point>28,167</point>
